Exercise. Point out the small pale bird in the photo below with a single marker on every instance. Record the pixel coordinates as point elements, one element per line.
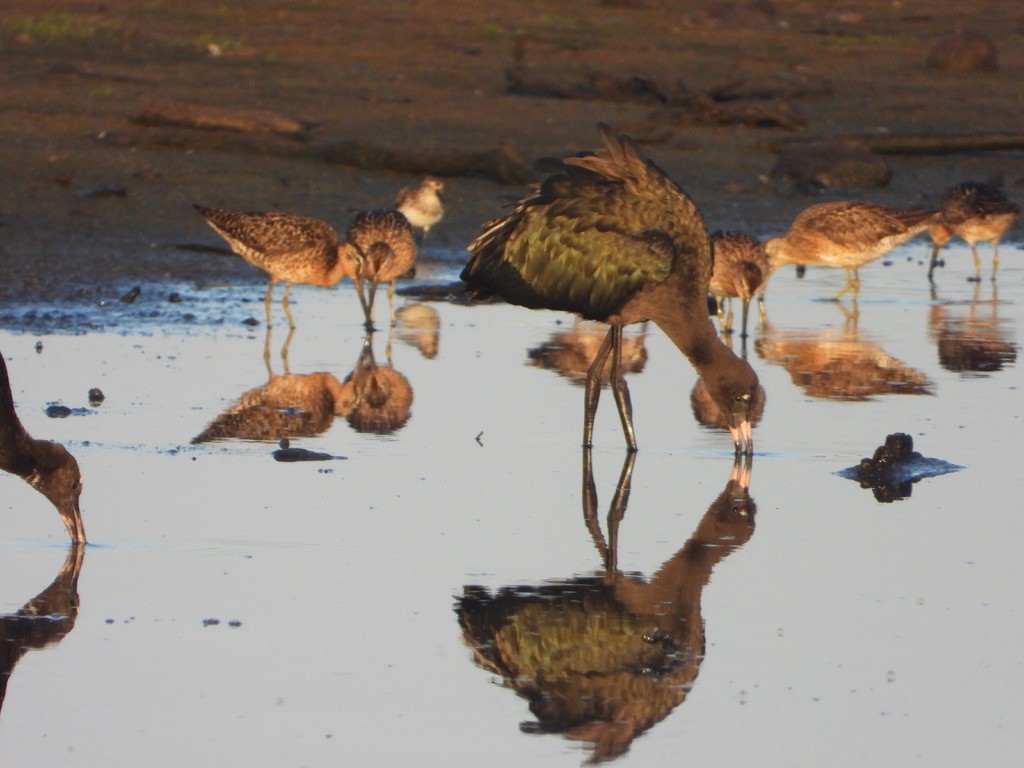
<point>610,237</point>
<point>846,235</point>
<point>288,247</point>
<point>47,467</point>
<point>740,272</point>
<point>422,205</point>
<point>977,212</point>
<point>381,245</point>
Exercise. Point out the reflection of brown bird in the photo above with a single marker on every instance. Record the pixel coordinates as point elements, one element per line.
<point>603,659</point>
<point>382,397</point>
<point>288,405</point>
<point>43,620</point>
<point>740,271</point>
<point>839,366</point>
<point>419,325</point>
<point>289,248</point>
<point>610,237</point>
<point>977,212</point>
<point>969,339</point>
<point>847,235</point>
<point>380,242</point>
<point>571,353</point>
<point>47,467</point>
<point>422,205</point>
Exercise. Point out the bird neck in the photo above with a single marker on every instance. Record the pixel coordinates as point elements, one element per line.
<point>682,313</point>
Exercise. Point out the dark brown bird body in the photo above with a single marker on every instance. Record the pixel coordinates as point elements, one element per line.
<point>288,247</point>
<point>976,212</point>
<point>47,467</point>
<point>610,237</point>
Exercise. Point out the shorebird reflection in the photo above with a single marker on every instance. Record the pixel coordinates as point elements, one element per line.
<point>971,337</point>
<point>289,405</point>
<point>381,396</point>
<point>570,353</point>
<point>418,325</point>
<point>839,365</point>
<point>43,620</point>
<point>601,659</point>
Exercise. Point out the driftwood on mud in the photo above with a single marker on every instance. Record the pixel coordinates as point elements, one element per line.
<point>686,105</point>
<point>916,144</point>
<point>500,163</point>
<point>204,117</point>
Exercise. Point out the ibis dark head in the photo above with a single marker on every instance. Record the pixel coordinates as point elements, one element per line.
<point>734,388</point>
<point>48,467</point>
<point>57,476</point>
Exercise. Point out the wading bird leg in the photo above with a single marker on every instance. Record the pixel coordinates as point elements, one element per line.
<point>617,511</point>
<point>620,390</point>
<point>391,302</point>
<point>267,297</point>
<point>995,258</point>
<point>746,311</point>
<point>935,261</point>
<point>589,495</point>
<point>284,303</point>
<point>592,392</point>
<point>284,350</point>
<point>369,303</point>
<point>367,323</point>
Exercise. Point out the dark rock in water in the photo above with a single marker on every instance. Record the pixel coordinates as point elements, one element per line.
<point>132,295</point>
<point>895,467</point>
<point>174,297</point>
<point>39,347</point>
<point>287,453</point>
<point>96,396</point>
<point>56,411</point>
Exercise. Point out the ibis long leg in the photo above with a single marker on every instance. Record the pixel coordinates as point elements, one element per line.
<point>620,389</point>
<point>593,389</point>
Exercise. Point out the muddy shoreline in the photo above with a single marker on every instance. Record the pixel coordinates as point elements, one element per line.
<point>96,199</point>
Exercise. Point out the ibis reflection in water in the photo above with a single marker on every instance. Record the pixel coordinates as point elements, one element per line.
<point>45,619</point>
<point>603,658</point>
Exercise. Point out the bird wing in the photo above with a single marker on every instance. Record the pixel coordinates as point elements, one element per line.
<point>594,235</point>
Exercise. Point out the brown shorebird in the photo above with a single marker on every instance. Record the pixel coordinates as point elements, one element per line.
<point>610,237</point>
<point>847,235</point>
<point>977,212</point>
<point>740,272</point>
<point>47,467</point>
<point>288,247</point>
<point>381,244</point>
<point>422,205</point>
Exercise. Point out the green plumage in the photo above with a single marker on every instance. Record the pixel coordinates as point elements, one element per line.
<point>597,232</point>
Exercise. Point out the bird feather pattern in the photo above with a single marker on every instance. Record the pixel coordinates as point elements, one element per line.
<point>593,236</point>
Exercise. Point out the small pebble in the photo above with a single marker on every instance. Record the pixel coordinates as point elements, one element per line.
<point>55,411</point>
<point>132,295</point>
<point>96,396</point>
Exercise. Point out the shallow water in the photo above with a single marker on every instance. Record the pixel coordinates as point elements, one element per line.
<point>236,610</point>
